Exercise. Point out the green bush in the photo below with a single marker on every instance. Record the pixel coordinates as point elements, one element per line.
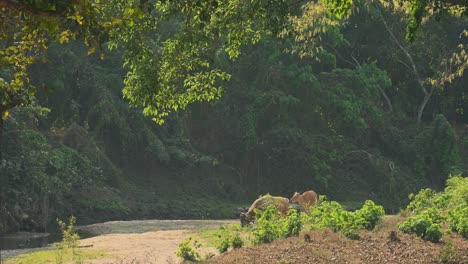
<point>292,224</point>
<point>370,214</point>
<point>224,244</point>
<point>457,188</point>
<point>351,232</point>
<point>431,209</point>
<point>188,250</point>
<point>427,198</point>
<point>458,220</point>
<point>69,241</point>
<point>69,235</point>
<point>227,240</point>
<point>330,214</point>
<point>433,233</point>
<point>267,226</point>
<point>447,252</point>
<point>426,225</point>
<point>270,226</point>
<point>237,241</point>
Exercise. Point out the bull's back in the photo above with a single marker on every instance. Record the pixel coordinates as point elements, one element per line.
<point>310,197</point>
<point>263,202</point>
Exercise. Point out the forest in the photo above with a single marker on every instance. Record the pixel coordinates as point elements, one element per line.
<point>190,109</point>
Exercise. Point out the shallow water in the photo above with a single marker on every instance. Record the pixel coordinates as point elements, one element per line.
<point>21,240</point>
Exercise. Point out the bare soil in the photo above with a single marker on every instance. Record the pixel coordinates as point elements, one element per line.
<point>145,241</point>
<point>326,246</point>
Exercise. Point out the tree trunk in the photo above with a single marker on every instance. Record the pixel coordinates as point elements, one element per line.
<point>3,213</point>
<point>423,104</point>
<point>1,137</point>
<point>419,80</point>
<point>389,103</point>
<point>45,211</point>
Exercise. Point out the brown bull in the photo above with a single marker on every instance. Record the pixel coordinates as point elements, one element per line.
<point>306,200</point>
<point>281,203</point>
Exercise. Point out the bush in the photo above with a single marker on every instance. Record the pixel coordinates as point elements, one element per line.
<point>351,232</point>
<point>433,233</point>
<point>227,240</point>
<point>292,224</point>
<point>270,226</point>
<point>370,214</point>
<point>447,252</point>
<point>237,241</point>
<point>332,215</point>
<point>69,235</point>
<point>224,244</point>
<point>69,241</point>
<point>430,209</point>
<point>426,225</point>
<point>427,198</point>
<point>188,250</point>
<point>267,226</point>
<point>457,188</point>
<point>458,219</point>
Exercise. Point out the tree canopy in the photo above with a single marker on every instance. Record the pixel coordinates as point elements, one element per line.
<point>169,69</point>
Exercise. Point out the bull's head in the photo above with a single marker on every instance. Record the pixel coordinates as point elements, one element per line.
<point>245,219</point>
<point>295,198</point>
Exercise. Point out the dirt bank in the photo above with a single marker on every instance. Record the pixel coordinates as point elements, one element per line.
<point>142,241</point>
<point>386,244</point>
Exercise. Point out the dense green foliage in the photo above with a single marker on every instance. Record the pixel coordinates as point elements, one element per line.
<point>330,214</point>
<point>226,240</point>
<point>168,70</point>
<point>425,224</point>
<point>370,214</point>
<point>269,225</point>
<point>458,219</point>
<point>430,209</point>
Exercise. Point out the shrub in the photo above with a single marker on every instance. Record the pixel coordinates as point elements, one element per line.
<point>351,232</point>
<point>457,188</point>
<point>330,214</point>
<point>188,250</point>
<point>420,201</point>
<point>267,226</point>
<point>69,235</point>
<point>426,225</point>
<point>224,244</point>
<point>432,208</point>
<point>69,241</point>
<point>370,214</point>
<point>227,240</point>
<point>292,224</point>
<point>458,219</point>
<point>237,241</point>
<point>433,233</point>
<point>447,252</point>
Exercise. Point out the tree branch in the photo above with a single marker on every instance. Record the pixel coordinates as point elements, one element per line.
<point>408,55</point>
